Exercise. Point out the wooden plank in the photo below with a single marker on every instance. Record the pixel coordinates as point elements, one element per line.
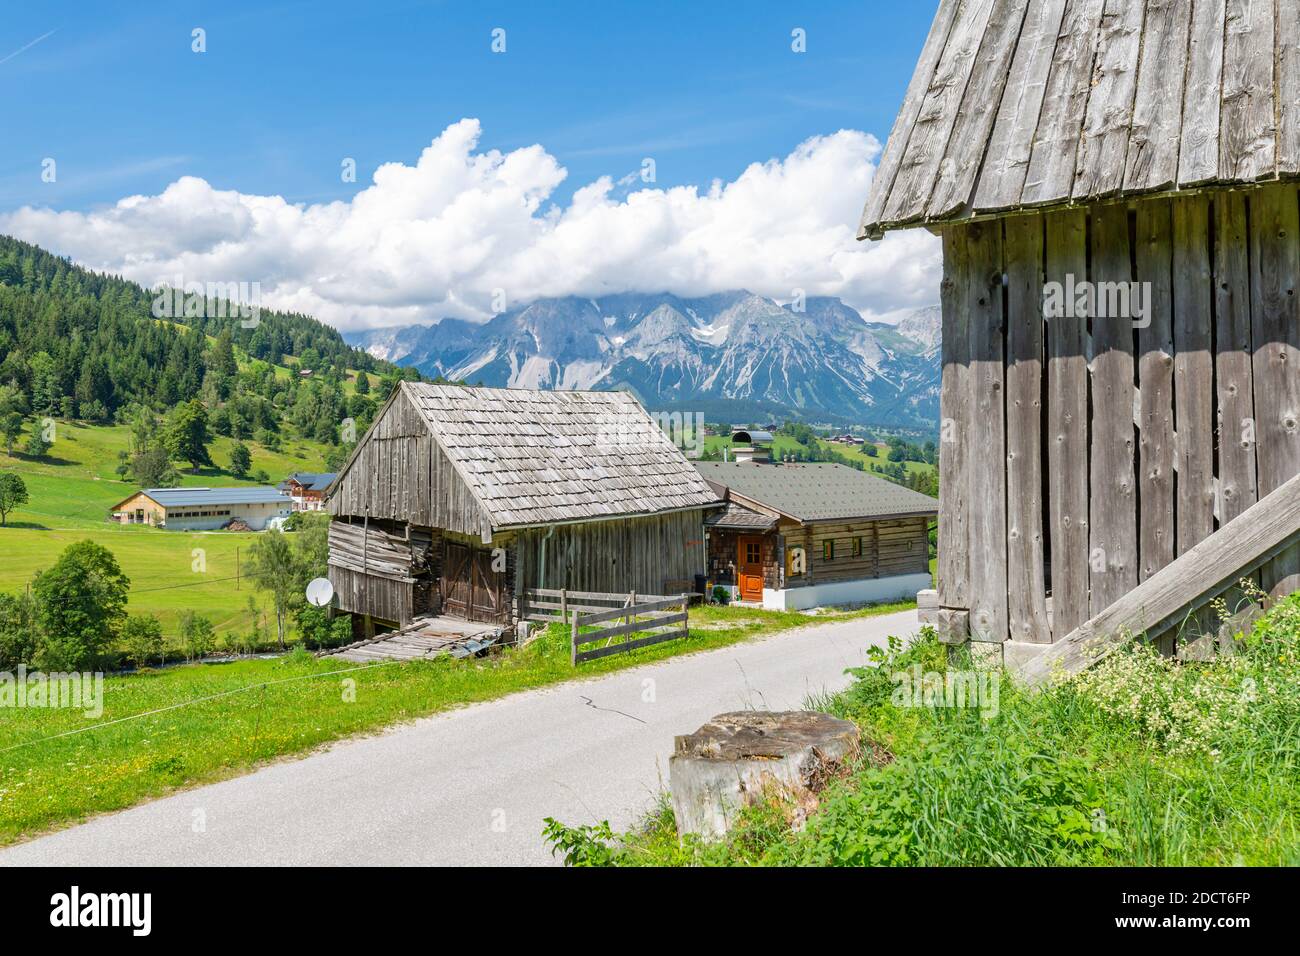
<point>1287,89</point>
<point>1198,151</point>
<point>1275,334</point>
<point>1154,255</point>
<point>1007,159</point>
<point>1191,581</point>
<point>953,566</point>
<point>970,132</point>
<point>1027,586</point>
<point>1193,369</point>
<point>1050,177</point>
<point>1152,159</point>
<point>636,627</point>
<point>1067,428</point>
<point>1112,508</point>
<point>928,142</point>
<point>639,608</point>
<point>624,646</point>
<point>883,179</point>
<point>1247,134</point>
<point>1103,143</point>
<point>1233,376</point>
<point>987,452</point>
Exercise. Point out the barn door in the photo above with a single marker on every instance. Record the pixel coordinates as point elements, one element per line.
<point>488,591</point>
<point>470,588</point>
<point>457,589</point>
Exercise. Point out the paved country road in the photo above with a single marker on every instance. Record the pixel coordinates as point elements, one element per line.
<point>472,786</point>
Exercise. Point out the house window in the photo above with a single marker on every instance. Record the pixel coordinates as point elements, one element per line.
<point>753,553</point>
<point>828,550</point>
<point>857,547</point>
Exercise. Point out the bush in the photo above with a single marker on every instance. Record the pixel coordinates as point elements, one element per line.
<point>17,630</point>
<point>143,638</point>
<point>80,605</point>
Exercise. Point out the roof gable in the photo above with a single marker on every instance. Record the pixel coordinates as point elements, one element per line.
<point>1027,103</point>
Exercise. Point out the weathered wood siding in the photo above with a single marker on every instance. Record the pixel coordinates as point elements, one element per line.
<point>617,556</point>
<point>1153,433</point>
<point>399,472</point>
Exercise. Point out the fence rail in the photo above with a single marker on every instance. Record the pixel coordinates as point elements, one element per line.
<point>596,617</point>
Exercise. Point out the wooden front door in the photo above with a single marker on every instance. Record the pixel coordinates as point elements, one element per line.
<point>749,567</point>
<point>471,589</point>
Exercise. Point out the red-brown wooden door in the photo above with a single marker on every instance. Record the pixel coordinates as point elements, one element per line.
<point>749,567</point>
<point>471,589</point>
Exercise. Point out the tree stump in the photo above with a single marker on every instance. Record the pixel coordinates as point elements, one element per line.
<point>736,759</point>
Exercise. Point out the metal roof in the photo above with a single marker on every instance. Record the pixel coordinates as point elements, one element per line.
<point>185,497</point>
<point>1028,103</point>
<point>818,491</point>
<point>311,481</point>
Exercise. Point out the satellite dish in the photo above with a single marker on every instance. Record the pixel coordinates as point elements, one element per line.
<point>320,592</point>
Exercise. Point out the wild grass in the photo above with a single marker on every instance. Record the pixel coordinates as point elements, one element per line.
<point>1141,762</point>
<point>179,727</point>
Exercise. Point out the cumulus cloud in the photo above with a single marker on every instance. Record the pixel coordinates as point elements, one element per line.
<point>451,233</point>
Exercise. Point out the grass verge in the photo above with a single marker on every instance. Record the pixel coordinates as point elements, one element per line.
<point>1141,761</point>
<point>168,729</point>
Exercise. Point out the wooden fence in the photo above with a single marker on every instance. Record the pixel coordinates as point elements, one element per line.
<point>595,616</point>
<point>638,624</point>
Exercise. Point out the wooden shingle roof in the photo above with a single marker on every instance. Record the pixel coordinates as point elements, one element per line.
<point>537,457</point>
<point>818,491</point>
<point>1027,103</point>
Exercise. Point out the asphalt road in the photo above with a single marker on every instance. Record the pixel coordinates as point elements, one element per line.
<point>472,786</point>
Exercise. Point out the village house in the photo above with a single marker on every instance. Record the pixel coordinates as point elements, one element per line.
<point>458,501</point>
<point>202,509</point>
<point>1106,466</point>
<point>801,535</point>
<point>307,489</point>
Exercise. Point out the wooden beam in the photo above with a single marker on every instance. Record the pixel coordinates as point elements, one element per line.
<point>1027,588</point>
<point>953,568</point>
<point>987,529</point>
<point>1067,428</point>
<point>1191,581</point>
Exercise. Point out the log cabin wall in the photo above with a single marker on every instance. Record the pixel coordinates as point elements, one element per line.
<point>885,548</point>
<point>1080,455</point>
<point>642,553</point>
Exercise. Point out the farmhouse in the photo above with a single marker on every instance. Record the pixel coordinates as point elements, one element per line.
<point>796,536</point>
<point>1104,474</point>
<point>307,489</point>
<point>202,509</point>
<point>458,501</point>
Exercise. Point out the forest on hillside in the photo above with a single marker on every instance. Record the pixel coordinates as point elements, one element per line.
<point>76,344</point>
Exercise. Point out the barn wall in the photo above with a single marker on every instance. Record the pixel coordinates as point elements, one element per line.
<point>399,472</point>
<point>1078,455</point>
<point>648,555</point>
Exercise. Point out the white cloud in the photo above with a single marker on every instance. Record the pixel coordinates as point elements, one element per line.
<point>439,237</point>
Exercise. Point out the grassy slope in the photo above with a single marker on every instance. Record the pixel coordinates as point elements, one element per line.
<point>116,765</point>
<point>75,485</point>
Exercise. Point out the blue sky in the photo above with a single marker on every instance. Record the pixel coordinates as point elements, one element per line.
<point>476,171</point>
<point>285,90</point>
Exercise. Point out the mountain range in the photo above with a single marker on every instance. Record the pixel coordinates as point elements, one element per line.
<point>732,355</point>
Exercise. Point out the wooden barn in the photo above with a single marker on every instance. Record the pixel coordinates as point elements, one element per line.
<point>459,500</point>
<point>1115,185</point>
